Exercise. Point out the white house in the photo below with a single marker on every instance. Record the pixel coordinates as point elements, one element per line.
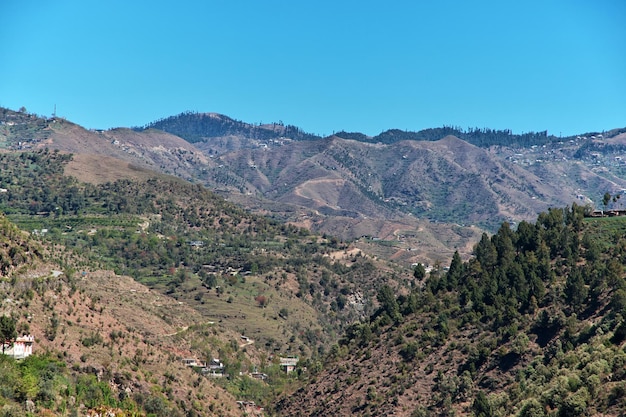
<point>22,347</point>
<point>216,368</point>
<point>288,364</point>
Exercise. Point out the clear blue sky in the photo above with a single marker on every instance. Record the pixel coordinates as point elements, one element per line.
<point>368,66</point>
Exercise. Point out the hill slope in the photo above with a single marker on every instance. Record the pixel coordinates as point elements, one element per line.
<point>102,341</point>
<point>447,180</point>
<point>151,149</point>
<point>367,186</point>
<point>517,176</point>
<point>531,326</point>
<point>286,290</point>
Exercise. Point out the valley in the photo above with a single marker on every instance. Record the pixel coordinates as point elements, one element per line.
<point>253,244</point>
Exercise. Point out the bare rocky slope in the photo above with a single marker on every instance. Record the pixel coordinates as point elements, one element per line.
<point>448,180</point>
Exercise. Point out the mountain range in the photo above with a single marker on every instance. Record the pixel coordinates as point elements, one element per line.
<point>125,266</point>
<point>397,187</point>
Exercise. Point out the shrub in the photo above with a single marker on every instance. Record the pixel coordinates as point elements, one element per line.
<point>409,351</point>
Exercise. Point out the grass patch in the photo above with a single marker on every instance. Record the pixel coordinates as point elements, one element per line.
<point>606,230</point>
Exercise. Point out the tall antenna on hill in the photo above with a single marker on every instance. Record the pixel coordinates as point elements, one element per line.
<point>54,113</point>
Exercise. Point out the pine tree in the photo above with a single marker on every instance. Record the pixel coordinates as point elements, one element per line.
<point>575,289</point>
<point>419,272</point>
<point>455,271</point>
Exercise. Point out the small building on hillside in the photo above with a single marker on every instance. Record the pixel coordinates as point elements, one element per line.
<point>288,364</point>
<point>259,375</point>
<point>216,368</point>
<point>190,362</point>
<point>22,347</point>
<point>194,363</point>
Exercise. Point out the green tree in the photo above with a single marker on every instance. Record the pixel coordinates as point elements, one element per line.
<point>455,271</point>
<point>486,253</point>
<point>592,248</point>
<point>481,406</point>
<point>620,333</point>
<point>7,331</point>
<point>532,408</point>
<point>419,272</point>
<point>575,404</point>
<point>527,237</point>
<point>409,351</point>
<point>618,302</point>
<point>387,300</point>
<point>28,387</point>
<point>575,289</point>
<point>503,243</point>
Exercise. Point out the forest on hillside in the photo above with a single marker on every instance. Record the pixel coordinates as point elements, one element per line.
<point>532,325</point>
<point>195,127</point>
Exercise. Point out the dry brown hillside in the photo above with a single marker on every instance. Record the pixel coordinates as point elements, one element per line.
<point>151,149</point>
<point>108,325</point>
